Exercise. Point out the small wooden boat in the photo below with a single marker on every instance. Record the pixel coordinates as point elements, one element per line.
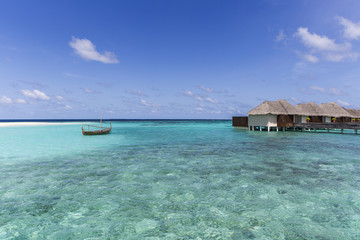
<point>96,130</point>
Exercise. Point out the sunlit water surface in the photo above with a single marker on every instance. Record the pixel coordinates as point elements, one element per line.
<point>178,180</point>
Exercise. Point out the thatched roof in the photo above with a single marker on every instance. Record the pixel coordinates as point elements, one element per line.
<point>334,110</point>
<point>283,107</point>
<point>290,109</point>
<point>353,112</point>
<point>309,109</point>
<point>279,107</point>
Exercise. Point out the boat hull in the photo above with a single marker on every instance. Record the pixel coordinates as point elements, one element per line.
<point>97,132</point>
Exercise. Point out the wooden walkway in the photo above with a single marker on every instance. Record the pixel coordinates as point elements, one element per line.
<point>328,126</point>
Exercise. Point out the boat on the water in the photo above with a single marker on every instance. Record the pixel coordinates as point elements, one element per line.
<point>99,131</point>
<point>95,130</point>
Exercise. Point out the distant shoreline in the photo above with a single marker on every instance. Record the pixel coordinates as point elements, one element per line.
<point>111,120</point>
<point>17,124</point>
<point>50,122</point>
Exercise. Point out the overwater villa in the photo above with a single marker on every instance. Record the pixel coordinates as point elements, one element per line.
<point>281,115</point>
<point>272,114</point>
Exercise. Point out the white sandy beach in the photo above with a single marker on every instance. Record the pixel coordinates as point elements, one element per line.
<point>17,124</point>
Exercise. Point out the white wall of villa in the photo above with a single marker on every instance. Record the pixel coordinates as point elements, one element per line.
<point>267,120</point>
<point>301,118</point>
<point>327,119</point>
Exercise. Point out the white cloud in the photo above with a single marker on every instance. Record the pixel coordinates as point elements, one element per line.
<point>68,107</point>
<point>343,103</point>
<point>209,90</point>
<point>335,91</point>
<point>72,75</point>
<point>149,104</point>
<point>87,50</point>
<point>316,88</point>
<point>341,56</point>
<point>19,100</point>
<point>90,91</point>
<point>59,98</point>
<point>198,97</point>
<point>5,100</point>
<point>215,112</point>
<point>144,102</point>
<point>188,93</point>
<point>330,91</point>
<point>35,94</point>
<point>324,47</point>
<point>86,90</point>
<point>136,93</point>
<point>311,58</point>
<point>321,43</point>
<point>295,100</point>
<point>308,57</point>
<point>352,30</point>
<point>280,37</point>
<point>211,100</point>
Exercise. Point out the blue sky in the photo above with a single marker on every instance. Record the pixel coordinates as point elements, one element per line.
<point>174,59</point>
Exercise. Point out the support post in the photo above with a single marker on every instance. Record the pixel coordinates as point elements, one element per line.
<point>342,130</point>
<point>268,129</point>
<point>355,131</point>
<point>277,129</point>
<point>260,129</point>
<point>328,129</point>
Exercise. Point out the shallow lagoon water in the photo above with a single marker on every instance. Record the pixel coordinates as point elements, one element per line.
<point>178,180</point>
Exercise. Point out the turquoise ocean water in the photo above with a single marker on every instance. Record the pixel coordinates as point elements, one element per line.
<point>178,180</point>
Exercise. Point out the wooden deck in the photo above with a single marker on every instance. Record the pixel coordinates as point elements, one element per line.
<point>328,126</point>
